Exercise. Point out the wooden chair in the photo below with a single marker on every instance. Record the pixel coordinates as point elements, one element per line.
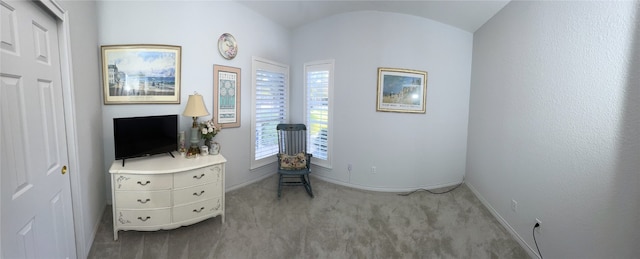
<point>293,160</point>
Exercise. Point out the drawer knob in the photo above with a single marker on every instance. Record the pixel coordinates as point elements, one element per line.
<point>198,177</point>
<point>144,219</point>
<point>145,201</point>
<point>198,194</point>
<point>198,211</point>
<point>143,184</point>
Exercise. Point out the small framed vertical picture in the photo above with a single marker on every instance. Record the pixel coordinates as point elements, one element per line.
<point>401,90</point>
<point>226,96</point>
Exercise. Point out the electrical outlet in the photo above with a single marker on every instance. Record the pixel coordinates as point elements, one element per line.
<point>349,167</point>
<point>373,169</point>
<point>514,206</point>
<point>539,228</point>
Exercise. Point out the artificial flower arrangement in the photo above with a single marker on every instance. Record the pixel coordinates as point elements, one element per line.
<point>208,130</point>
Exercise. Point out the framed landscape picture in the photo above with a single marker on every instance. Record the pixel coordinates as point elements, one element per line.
<point>226,96</point>
<point>141,74</point>
<point>401,90</point>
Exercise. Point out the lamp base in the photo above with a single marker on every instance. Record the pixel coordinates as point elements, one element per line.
<point>194,150</point>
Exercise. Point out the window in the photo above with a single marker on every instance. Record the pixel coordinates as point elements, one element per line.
<point>318,85</point>
<point>270,96</point>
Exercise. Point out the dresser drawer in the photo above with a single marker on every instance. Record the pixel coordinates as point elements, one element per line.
<point>198,209</point>
<point>198,176</point>
<point>141,182</point>
<point>197,193</point>
<point>143,217</point>
<point>143,199</point>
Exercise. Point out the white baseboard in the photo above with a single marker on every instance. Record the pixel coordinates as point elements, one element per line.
<point>532,253</point>
<point>89,242</point>
<point>235,187</point>
<point>382,189</point>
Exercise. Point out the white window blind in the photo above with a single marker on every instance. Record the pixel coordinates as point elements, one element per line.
<point>270,99</point>
<point>318,88</point>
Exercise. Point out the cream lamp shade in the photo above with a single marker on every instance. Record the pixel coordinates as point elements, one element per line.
<point>195,106</point>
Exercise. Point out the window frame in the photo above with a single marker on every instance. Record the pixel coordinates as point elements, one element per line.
<point>315,66</point>
<point>258,63</point>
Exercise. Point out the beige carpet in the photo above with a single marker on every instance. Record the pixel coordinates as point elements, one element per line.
<point>340,222</point>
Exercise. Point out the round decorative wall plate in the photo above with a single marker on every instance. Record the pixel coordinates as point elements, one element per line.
<point>227,46</point>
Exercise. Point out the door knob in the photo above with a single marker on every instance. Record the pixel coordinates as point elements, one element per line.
<point>64,169</point>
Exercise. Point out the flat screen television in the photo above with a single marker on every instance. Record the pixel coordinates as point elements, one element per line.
<point>145,136</point>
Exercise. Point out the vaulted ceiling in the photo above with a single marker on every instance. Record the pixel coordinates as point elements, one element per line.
<point>466,15</point>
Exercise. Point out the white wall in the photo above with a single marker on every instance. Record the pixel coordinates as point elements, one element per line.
<point>196,26</point>
<point>554,125</point>
<point>88,118</point>
<point>408,150</point>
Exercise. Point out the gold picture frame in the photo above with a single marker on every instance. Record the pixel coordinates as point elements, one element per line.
<point>141,74</point>
<point>226,96</point>
<point>401,90</point>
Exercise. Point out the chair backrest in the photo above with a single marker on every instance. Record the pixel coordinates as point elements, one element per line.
<point>292,138</point>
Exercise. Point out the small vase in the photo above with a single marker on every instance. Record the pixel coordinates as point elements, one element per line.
<point>214,149</point>
<point>207,142</point>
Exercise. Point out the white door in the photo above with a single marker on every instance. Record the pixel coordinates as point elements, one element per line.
<point>36,213</point>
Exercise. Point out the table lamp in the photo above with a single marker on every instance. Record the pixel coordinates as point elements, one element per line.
<point>195,108</point>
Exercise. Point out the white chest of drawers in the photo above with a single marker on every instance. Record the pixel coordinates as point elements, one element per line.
<point>162,192</point>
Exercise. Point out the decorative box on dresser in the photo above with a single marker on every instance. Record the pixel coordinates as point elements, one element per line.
<point>162,192</point>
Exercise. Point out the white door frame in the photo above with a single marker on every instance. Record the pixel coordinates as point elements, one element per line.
<point>70,122</point>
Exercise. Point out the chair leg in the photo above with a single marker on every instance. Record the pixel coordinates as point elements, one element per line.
<point>306,180</point>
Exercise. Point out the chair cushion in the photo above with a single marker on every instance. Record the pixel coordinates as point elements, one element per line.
<point>295,162</point>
